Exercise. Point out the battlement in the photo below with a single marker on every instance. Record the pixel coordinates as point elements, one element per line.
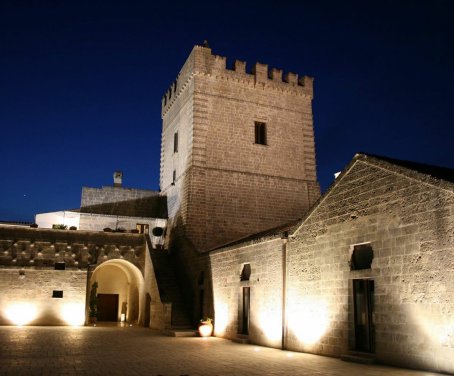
<point>201,61</point>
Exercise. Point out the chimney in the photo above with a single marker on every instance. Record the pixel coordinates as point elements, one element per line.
<point>118,178</point>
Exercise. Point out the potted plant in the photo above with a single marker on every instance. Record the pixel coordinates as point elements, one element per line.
<point>205,327</point>
<point>93,304</point>
<point>60,226</point>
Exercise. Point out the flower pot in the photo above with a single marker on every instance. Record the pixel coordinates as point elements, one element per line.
<point>205,329</point>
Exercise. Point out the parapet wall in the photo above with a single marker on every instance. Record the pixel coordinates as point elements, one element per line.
<point>203,62</point>
<point>105,195</point>
<point>42,248</point>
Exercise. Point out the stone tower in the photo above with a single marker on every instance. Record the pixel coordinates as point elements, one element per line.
<point>237,153</point>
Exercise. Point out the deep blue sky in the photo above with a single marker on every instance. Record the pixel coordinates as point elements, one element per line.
<point>81,83</point>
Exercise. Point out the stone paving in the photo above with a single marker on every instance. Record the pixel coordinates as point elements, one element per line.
<point>139,351</point>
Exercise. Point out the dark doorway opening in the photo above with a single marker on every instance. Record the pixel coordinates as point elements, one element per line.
<point>107,307</point>
<point>245,311</point>
<point>363,294</point>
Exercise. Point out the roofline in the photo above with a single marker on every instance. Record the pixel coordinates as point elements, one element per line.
<point>380,162</point>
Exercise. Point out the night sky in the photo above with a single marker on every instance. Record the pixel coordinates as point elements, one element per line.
<point>81,84</point>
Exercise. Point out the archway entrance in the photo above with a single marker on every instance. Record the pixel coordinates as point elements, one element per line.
<point>120,291</point>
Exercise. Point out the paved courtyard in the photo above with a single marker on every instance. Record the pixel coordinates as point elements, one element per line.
<point>139,351</point>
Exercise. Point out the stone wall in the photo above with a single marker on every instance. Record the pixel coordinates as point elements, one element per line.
<point>96,222</point>
<point>104,195</point>
<point>265,283</point>
<point>28,277</point>
<point>408,219</point>
<point>26,299</point>
<point>123,201</point>
<point>29,247</point>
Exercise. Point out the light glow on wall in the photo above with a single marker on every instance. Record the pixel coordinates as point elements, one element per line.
<point>438,328</point>
<point>73,313</point>
<point>21,313</point>
<point>221,317</point>
<point>270,322</point>
<point>308,320</point>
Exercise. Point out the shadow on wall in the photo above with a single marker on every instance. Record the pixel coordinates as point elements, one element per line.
<point>152,207</point>
<point>193,272</point>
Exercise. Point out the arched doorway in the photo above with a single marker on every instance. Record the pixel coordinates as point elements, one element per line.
<point>120,291</point>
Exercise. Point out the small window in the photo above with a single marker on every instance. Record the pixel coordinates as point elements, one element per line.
<point>362,257</point>
<point>57,294</point>
<point>260,133</point>
<point>201,279</point>
<point>59,266</point>
<point>174,177</point>
<point>175,142</point>
<point>246,272</point>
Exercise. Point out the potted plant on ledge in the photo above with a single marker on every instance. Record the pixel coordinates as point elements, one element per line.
<point>205,327</point>
<point>93,304</point>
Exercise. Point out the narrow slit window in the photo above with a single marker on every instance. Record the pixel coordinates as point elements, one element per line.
<point>175,142</point>
<point>174,177</point>
<point>260,133</point>
<point>201,279</point>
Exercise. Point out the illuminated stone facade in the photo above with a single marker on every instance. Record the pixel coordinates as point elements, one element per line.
<point>397,210</point>
<point>237,153</point>
<point>31,283</point>
<point>237,157</point>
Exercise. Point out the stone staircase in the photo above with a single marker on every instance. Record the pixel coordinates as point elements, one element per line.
<point>170,292</point>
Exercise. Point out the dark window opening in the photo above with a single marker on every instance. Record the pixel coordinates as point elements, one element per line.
<point>157,231</point>
<point>175,142</point>
<point>174,177</point>
<point>246,272</point>
<point>362,257</point>
<point>57,294</point>
<point>59,266</point>
<point>260,133</point>
<point>201,279</point>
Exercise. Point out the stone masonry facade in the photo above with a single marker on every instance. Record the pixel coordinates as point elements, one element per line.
<point>220,184</point>
<point>406,217</point>
<point>28,275</point>
<point>106,195</point>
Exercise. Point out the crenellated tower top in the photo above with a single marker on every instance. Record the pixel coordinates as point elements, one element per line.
<point>203,62</point>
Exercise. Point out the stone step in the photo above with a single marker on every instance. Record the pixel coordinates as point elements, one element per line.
<point>241,338</point>
<point>180,332</point>
<point>359,357</point>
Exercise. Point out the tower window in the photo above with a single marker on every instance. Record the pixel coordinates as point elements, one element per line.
<point>175,142</point>
<point>260,133</point>
<point>174,177</point>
